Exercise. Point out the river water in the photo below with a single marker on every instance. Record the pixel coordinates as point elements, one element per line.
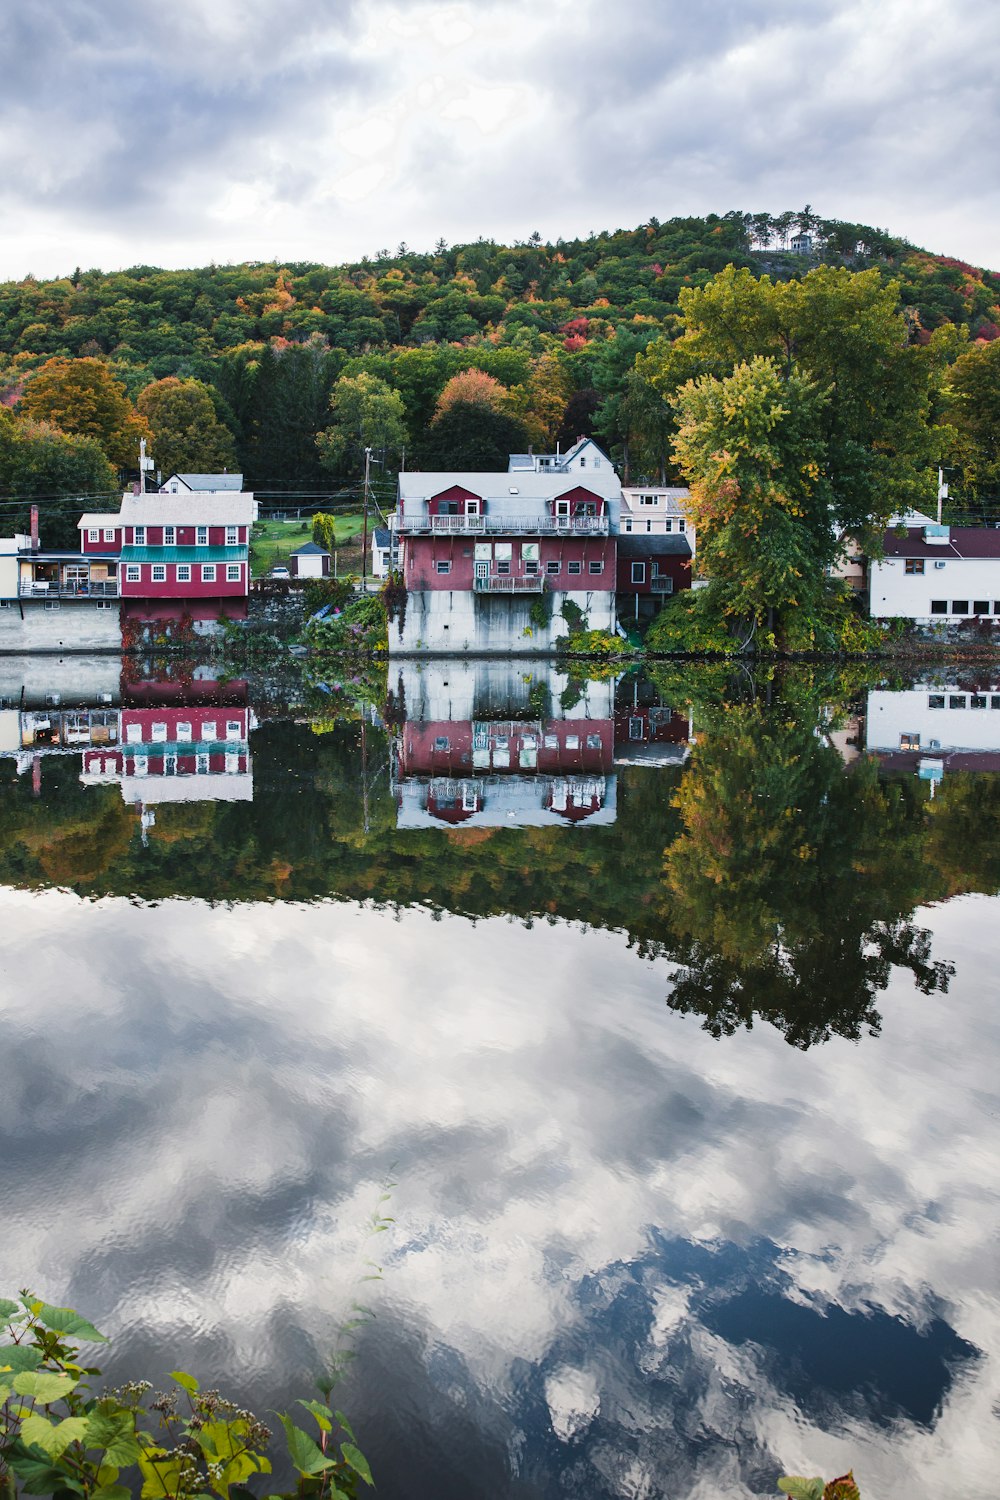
<point>665,1011</point>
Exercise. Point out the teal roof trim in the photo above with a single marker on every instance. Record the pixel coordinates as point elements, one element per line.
<point>184,554</point>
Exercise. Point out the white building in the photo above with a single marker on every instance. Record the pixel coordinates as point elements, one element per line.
<point>183,484</point>
<point>656,509</point>
<point>585,457</point>
<point>937,573</point>
<point>381,559</point>
<point>935,727</point>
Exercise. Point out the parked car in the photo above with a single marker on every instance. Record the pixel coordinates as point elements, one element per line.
<point>280,571</point>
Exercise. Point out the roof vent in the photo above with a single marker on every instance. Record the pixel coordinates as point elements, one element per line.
<point>937,536</point>
<point>513,491</point>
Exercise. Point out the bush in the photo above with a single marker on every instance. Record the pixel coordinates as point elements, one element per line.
<point>321,591</point>
<point>361,628</point>
<point>692,624</point>
<point>595,643</point>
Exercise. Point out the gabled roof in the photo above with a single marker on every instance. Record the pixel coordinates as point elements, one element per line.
<point>310,549</point>
<point>963,542</point>
<point>223,481</point>
<point>99,518</point>
<point>417,486</point>
<point>382,537</point>
<point>653,544</point>
<point>234,509</point>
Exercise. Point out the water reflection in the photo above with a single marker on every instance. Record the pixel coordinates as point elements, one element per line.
<point>643,1248</point>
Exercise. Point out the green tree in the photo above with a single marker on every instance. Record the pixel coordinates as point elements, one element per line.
<point>187,435</point>
<point>750,448</point>
<point>973,409</point>
<point>366,413</point>
<point>470,435</point>
<point>63,475</point>
<point>82,398</point>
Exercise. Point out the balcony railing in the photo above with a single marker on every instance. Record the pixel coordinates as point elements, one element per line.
<point>497,585</point>
<point>661,585</point>
<point>69,588</point>
<point>503,525</point>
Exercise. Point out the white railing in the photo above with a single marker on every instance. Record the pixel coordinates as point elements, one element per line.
<point>69,588</point>
<point>503,525</point>
<point>498,585</point>
<point>660,585</point>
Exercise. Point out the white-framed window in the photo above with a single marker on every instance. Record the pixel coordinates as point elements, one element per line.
<point>93,535</point>
<point>638,572</point>
<point>158,734</point>
<point>595,567</point>
<point>562,507</point>
<point>133,734</point>
<point>232,536</point>
<point>133,573</point>
<point>105,604</point>
<point>184,732</point>
<point>909,742</point>
<point>5,603</point>
<point>52,604</point>
<point>209,729</point>
<point>503,567</point>
<point>140,766</point>
<point>233,572</point>
<point>574,568</point>
<point>169,533</point>
<point>140,536</point>
<point>682,526</point>
<point>201,536</point>
<point>443,567</point>
<point>159,573</point>
<point>208,572</point>
<point>647,499</point>
<point>234,729</point>
<point>531,569</point>
<point>232,765</point>
<point>668,525</point>
<point>552,566</point>
<point>628,525</point>
<point>109,533</point>
<point>201,765</point>
<point>183,572</point>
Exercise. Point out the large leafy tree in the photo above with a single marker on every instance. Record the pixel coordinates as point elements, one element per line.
<point>287,405</point>
<point>61,474</point>
<point>471,435</point>
<point>83,399</point>
<point>973,409</point>
<point>751,449</point>
<point>845,332</point>
<point>187,434</point>
<point>366,413</point>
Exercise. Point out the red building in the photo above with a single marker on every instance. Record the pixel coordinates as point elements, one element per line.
<point>651,567</point>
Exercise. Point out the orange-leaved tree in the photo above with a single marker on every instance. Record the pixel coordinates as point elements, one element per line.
<point>82,397</point>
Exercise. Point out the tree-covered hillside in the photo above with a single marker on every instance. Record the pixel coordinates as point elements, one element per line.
<point>558,326</point>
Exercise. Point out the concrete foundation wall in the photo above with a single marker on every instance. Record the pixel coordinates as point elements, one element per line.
<point>500,625</point>
<point>74,626</point>
<point>476,689</point>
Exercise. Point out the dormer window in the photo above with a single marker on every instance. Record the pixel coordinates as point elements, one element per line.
<point>201,536</point>
<point>168,536</point>
<point>140,536</point>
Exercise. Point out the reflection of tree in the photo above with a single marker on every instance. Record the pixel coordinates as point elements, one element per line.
<point>791,882</point>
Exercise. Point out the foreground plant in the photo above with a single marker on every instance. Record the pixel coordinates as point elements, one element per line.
<point>61,1436</point>
<point>798,1488</point>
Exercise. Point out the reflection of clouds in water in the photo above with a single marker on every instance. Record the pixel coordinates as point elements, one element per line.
<point>202,1114</point>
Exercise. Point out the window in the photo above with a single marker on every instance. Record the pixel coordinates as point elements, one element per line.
<point>913,565</point>
<point>158,734</point>
<point>184,732</point>
<point>649,525</point>
<point>443,567</point>
<point>208,729</point>
<point>105,604</point>
<point>5,604</point>
<point>980,606</point>
<point>995,700</point>
<point>183,572</point>
<point>647,499</point>
<point>139,535</point>
<point>682,527</point>
<point>628,525</point>
<point>234,729</point>
<point>939,606</point>
<point>960,606</point>
<point>638,572</point>
<point>531,569</point>
<point>93,535</point>
<point>132,573</point>
<point>232,764</point>
<point>594,742</point>
<point>636,728</point>
<point>52,604</point>
<point>442,744</point>
<point>668,525</point>
<point>159,573</point>
<point>201,536</point>
<point>109,533</point>
<point>169,533</point>
<point>133,734</point>
<point>551,566</point>
<point>909,742</point>
<point>574,568</point>
<point>935,700</point>
<point>233,571</point>
<point>232,536</point>
<point>201,765</point>
<point>562,507</point>
<point>208,572</point>
<point>140,766</point>
<point>583,463</point>
<point>595,567</point>
<point>957,700</point>
<point>978,700</point>
<point>503,568</point>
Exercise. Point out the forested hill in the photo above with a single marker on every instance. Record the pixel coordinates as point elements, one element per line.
<point>556,325</point>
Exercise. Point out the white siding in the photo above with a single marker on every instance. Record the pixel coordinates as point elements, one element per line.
<point>893,591</point>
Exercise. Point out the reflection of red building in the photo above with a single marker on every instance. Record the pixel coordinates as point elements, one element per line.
<point>506,746</point>
<point>178,752</point>
<point>648,732</point>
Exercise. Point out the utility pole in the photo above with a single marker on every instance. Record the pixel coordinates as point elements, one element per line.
<point>142,466</point>
<point>942,491</point>
<point>364,542</point>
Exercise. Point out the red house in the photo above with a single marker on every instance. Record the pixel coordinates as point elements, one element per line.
<point>651,567</point>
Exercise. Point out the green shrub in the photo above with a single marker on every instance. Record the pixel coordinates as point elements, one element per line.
<point>691,624</point>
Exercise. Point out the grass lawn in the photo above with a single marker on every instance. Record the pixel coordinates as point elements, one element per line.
<point>274,541</point>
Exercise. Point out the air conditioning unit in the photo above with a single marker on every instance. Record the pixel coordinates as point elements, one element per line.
<point>934,745</point>
<point>939,564</point>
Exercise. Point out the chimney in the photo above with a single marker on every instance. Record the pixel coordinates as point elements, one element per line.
<point>135,487</point>
<point>34,528</point>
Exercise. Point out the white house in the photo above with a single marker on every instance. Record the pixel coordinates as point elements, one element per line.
<point>935,727</point>
<point>584,457</point>
<point>937,573</point>
<point>309,561</point>
<point>381,560</point>
<point>182,484</point>
<point>657,509</point>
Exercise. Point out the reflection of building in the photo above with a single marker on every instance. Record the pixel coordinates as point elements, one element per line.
<point>483,745</point>
<point>648,732</point>
<point>931,728</point>
<point>177,754</point>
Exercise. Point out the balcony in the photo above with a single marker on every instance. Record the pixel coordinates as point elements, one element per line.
<point>497,585</point>
<point>538,525</point>
<point>69,588</point>
<point>660,585</point>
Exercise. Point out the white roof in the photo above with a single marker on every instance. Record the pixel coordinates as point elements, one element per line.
<point>420,484</point>
<point>10,546</point>
<point>99,518</point>
<point>188,509</point>
<point>235,786</point>
<point>207,481</point>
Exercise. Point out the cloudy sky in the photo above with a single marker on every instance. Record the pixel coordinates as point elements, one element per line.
<point>326,129</point>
